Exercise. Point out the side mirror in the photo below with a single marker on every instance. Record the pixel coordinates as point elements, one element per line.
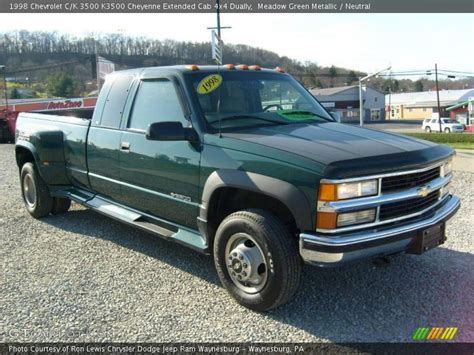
<point>170,131</point>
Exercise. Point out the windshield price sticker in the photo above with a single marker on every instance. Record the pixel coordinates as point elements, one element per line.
<point>209,84</point>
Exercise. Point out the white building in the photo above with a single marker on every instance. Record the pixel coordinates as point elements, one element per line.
<point>344,101</point>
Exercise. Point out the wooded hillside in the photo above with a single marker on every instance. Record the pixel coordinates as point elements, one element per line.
<point>33,60</point>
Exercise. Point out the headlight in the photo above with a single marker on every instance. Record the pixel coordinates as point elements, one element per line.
<point>351,218</point>
<point>344,191</point>
<point>446,169</point>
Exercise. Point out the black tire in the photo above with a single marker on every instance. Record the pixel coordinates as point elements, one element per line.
<point>35,192</point>
<point>447,130</point>
<point>60,205</point>
<point>278,248</point>
<point>427,129</point>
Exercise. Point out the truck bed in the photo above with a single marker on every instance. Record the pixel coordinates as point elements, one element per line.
<point>48,132</point>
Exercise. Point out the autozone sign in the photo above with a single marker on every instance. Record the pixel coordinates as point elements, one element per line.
<point>65,104</point>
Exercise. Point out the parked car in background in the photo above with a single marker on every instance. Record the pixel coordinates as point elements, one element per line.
<point>447,125</point>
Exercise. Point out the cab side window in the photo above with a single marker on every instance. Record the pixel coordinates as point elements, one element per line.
<point>156,101</point>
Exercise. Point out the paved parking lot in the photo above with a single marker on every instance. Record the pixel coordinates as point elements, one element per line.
<point>83,277</point>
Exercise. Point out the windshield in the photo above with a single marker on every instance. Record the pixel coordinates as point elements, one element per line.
<point>235,99</point>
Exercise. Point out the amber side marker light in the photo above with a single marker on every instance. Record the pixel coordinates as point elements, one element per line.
<point>192,67</point>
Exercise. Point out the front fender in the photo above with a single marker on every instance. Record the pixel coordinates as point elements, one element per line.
<point>288,194</point>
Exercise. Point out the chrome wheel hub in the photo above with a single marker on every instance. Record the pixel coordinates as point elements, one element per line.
<point>246,263</point>
<point>29,190</point>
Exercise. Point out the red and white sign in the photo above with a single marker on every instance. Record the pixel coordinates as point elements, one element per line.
<point>51,105</point>
<point>66,104</point>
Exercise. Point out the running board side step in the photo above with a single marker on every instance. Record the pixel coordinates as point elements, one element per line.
<point>152,224</point>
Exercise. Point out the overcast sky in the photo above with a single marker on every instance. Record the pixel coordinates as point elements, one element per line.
<point>363,42</point>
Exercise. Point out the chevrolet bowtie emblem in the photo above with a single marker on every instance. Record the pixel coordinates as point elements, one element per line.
<point>424,191</point>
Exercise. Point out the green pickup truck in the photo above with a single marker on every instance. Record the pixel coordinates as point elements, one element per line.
<point>241,163</point>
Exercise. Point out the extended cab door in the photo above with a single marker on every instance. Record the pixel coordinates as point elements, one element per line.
<point>104,138</point>
<point>159,177</point>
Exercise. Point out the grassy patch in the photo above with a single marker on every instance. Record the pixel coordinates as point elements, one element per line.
<point>456,140</point>
<point>462,145</point>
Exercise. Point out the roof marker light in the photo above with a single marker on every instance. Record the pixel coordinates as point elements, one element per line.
<point>192,67</point>
<point>229,66</point>
<point>279,69</point>
<point>254,67</point>
<point>242,66</point>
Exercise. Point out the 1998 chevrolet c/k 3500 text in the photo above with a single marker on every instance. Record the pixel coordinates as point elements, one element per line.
<point>241,163</point>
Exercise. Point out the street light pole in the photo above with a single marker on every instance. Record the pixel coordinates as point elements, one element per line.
<point>361,99</point>
<point>437,99</point>
<point>361,104</point>
<point>4,69</point>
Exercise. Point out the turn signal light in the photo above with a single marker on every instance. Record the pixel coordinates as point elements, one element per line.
<point>192,67</point>
<point>327,192</point>
<point>326,220</point>
<point>242,66</point>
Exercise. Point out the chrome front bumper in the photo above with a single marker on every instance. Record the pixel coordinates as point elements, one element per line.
<point>336,249</point>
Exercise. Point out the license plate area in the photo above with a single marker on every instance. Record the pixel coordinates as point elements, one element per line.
<point>428,238</point>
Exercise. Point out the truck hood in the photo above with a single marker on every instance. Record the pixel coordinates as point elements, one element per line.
<point>347,150</point>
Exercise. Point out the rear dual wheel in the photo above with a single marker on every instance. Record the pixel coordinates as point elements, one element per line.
<point>38,201</point>
<point>257,259</point>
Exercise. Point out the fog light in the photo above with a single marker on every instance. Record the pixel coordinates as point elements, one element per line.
<point>351,218</point>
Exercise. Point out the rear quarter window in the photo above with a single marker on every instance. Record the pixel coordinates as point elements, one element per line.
<point>115,102</point>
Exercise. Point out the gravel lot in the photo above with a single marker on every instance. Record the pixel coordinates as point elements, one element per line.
<point>83,277</point>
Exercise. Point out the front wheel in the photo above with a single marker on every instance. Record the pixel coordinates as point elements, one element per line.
<point>257,259</point>
<point>427,129</point>
<point>447,130</point>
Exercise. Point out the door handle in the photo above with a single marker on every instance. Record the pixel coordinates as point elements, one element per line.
<point>125,146</point>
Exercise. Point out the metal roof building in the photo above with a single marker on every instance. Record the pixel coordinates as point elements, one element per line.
<point>421,105</point>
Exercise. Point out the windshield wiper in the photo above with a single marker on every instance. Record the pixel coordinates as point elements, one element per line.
<point>237,117</point>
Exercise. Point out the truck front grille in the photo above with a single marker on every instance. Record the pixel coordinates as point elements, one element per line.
<point>407,207</point>
<point>406,181</point>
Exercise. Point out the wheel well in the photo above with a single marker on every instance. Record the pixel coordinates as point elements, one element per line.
<point>23,156</point>
<point>227,200</point>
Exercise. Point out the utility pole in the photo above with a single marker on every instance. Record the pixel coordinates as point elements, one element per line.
<point>219,27</point>
<point>437,98</point>
<point>218,11</point>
